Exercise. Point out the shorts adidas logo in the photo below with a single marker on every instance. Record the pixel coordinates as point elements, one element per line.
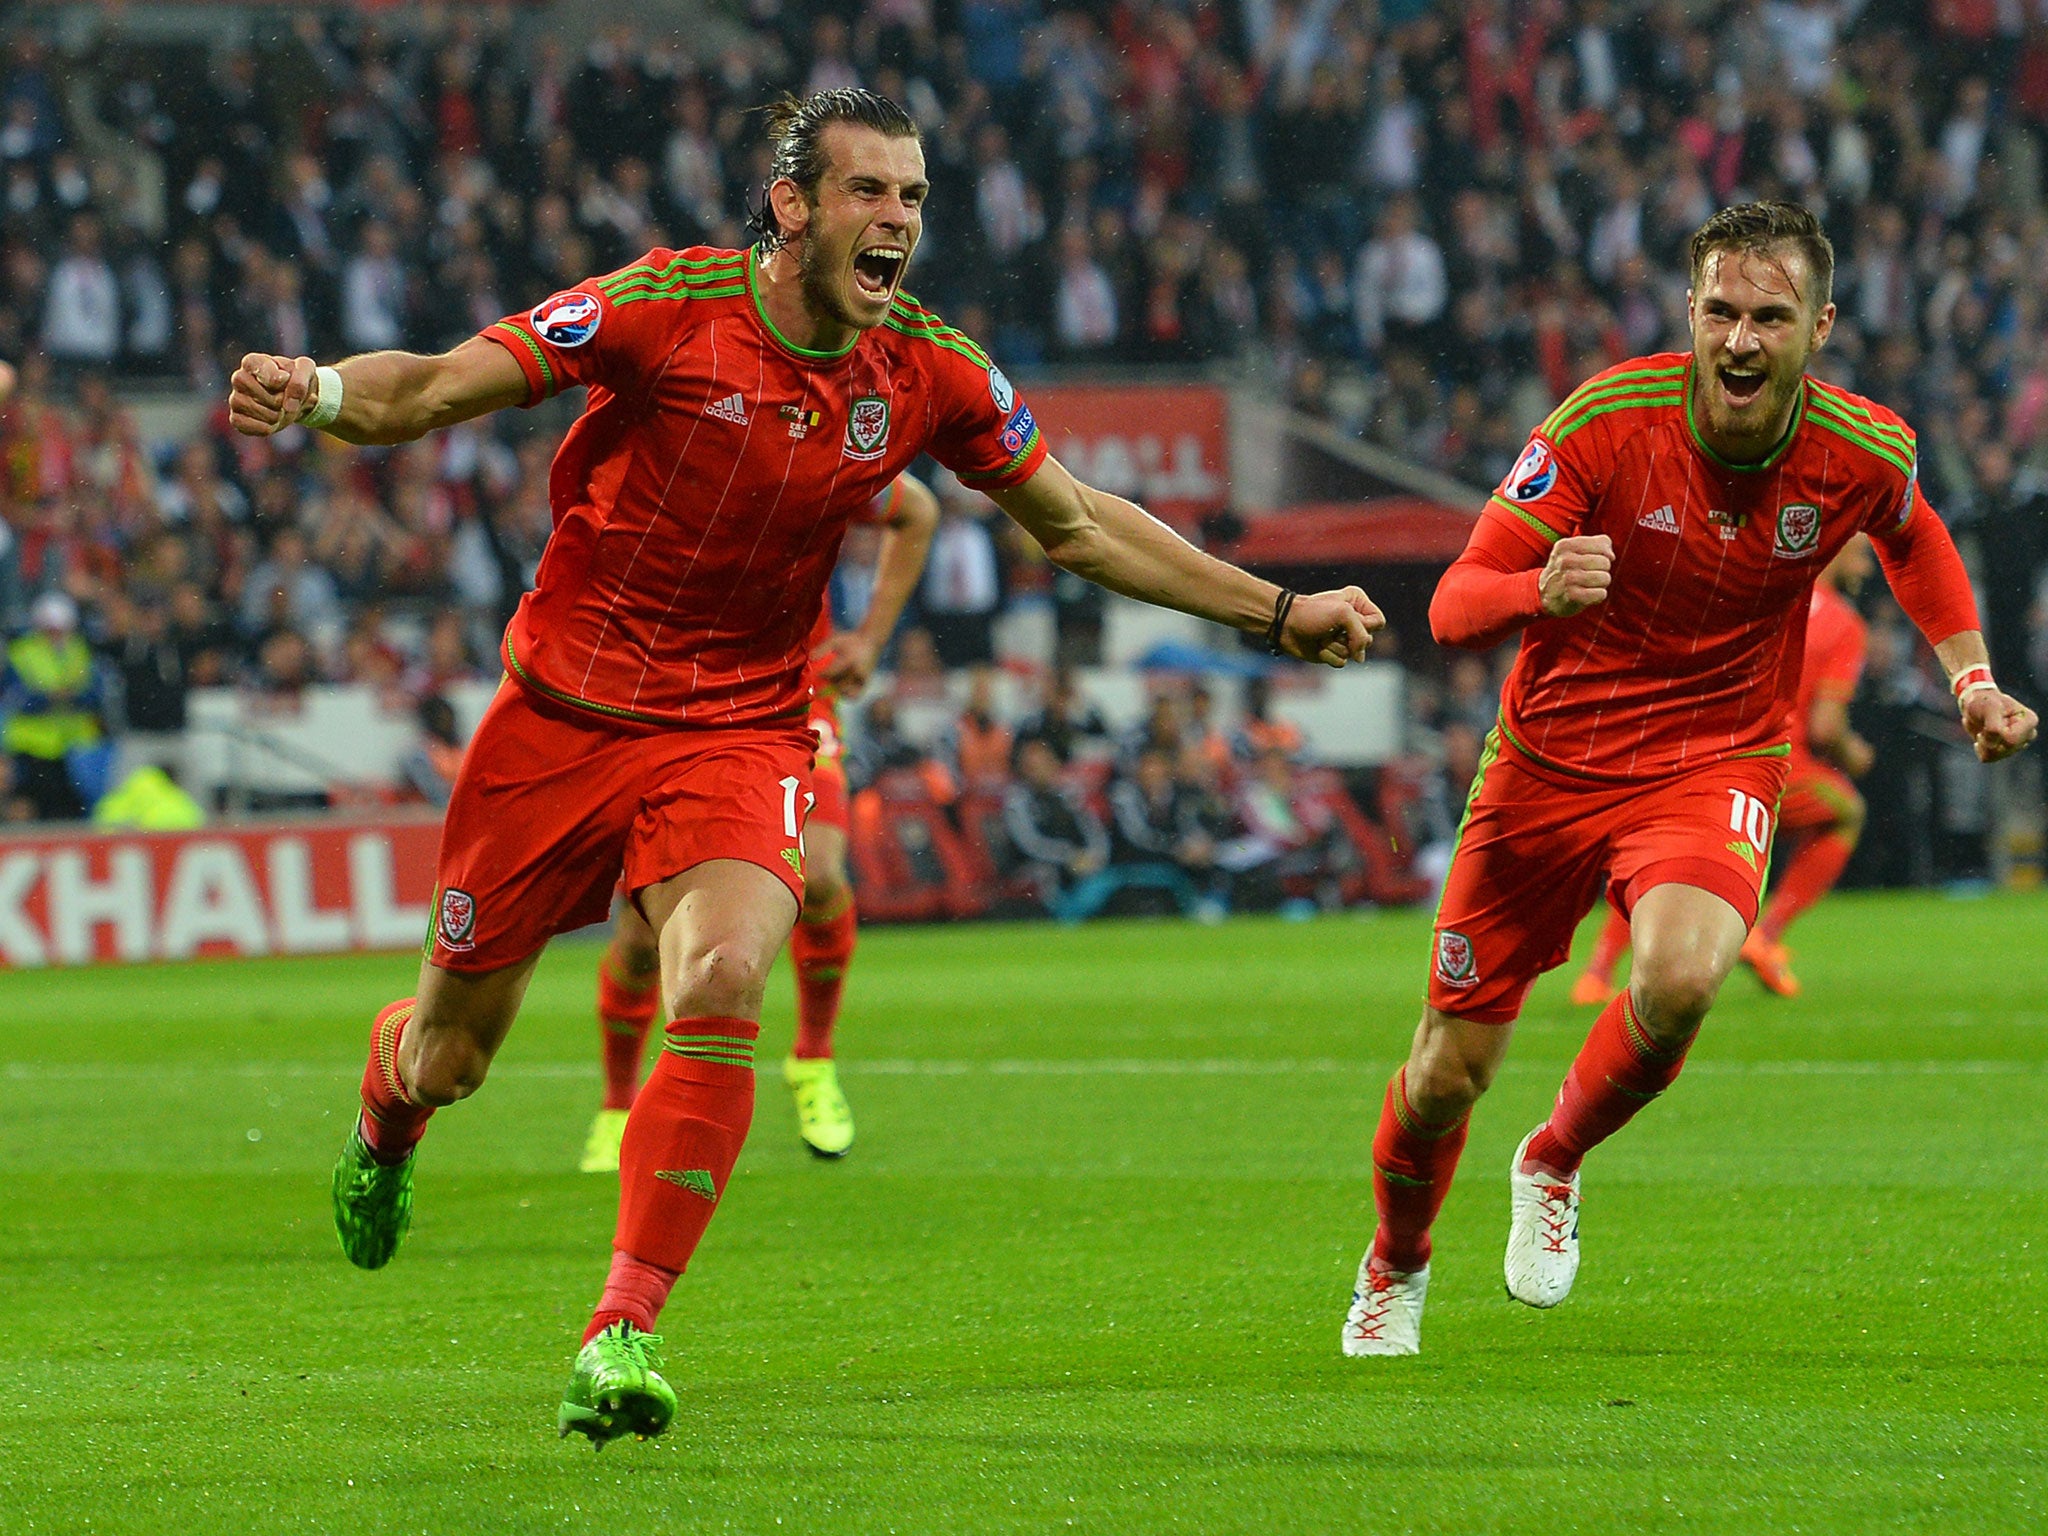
<point>732,408</point>
<point>1663,520</point>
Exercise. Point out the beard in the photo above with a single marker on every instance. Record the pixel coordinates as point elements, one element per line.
<point>821,291</point>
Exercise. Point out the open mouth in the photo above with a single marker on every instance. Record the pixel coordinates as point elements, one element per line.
<point>1742,386</point>
<point>877,269</point>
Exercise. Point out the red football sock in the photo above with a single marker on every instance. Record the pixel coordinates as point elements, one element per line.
<point>625,1009</point>
<point>820,950</point>
<point>635,1290</point>
<point>1809,875</point>
<point>1412,1164</point>
<point>1617,1071</point>
<point>682,1140</point>
<point>1608,947</point>
<point>391,1122</point>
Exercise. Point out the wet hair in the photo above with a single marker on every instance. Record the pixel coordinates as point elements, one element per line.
<point>795,125</point>
<point>1767,228</point>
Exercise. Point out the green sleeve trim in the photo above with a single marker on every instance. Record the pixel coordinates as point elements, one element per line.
<point>996,476</point>
<point>540,358</point>
<point>1549,534</point>
<point>1782,749</point>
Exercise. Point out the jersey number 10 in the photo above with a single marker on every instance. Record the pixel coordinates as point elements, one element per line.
<point>1750,817</point>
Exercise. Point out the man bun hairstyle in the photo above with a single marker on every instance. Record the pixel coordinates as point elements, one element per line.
<point>1767,228</point>
<point>795,125</point>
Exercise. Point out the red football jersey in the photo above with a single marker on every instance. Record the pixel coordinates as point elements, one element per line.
<point>876,511</point>
<point>1836,640</point>
<point>1695,655</point>
<point>700,500</point>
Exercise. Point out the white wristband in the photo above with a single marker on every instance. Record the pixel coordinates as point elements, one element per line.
<point>326,399</point>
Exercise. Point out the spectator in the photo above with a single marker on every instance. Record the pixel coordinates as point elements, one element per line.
<point>1399,290</point>
<point>981,743</point>
<point>1258,731</point>
<point>53,700</point>
<point>1065,722</point>
<point>1057,842</point>
<point>149,664</point>
<point>429,769</point>
<point>82,311</point>
<point>962,586</point>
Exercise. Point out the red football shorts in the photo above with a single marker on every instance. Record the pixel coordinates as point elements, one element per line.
<point>830,773</point>
<point>1537,848</point>
<point>1817,795</point>
<point>553,803</point>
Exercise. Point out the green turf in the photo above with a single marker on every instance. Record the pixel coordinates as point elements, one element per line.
<point>1084,1268</point>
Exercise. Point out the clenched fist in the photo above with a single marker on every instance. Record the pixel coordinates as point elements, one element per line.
<point>268,394</point>
<point>1331,627</point>
<point>1577,575</point>
<point>1999,725</point>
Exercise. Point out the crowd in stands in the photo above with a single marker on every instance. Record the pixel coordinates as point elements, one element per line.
<point>1423,220</point>
<point>1056,811</point>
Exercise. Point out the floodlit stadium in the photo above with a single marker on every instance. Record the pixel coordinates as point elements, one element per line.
<point>1008,766</point>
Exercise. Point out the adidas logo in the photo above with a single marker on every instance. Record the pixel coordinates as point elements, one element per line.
<point>696,1180</point>
<point>732,408</point>
<point>1663,520</point>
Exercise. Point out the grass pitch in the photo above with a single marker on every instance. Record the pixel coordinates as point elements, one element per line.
<point>1084,1269</point>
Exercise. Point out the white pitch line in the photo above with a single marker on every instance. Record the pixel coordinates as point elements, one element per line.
<point>29,1072</point>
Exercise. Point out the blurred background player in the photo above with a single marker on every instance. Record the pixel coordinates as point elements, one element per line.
<point>821,943</point>
<point>1656,544</point>
<point>1821,810</point>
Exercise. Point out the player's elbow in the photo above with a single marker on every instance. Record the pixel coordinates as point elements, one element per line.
<point>1450,622</point>
<point>1084,550</point>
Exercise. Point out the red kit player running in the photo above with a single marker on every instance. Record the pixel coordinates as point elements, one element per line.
<point>821,943</point>
<point>1820,811</point>
<point>742,407</point>
<point>1656,543</point>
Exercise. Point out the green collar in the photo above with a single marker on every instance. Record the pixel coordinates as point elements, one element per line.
<point>808,354</point>
<point>1777,453</point>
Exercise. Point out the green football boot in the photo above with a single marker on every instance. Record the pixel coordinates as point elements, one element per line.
<point>822,1116</point>
<point>372,1204</point>
<point>615,1389</point>
<point>601,1148</point>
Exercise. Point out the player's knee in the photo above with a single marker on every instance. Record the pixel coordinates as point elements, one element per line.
<point>826,891</point>
<point>1672,996</point>
<point>718,979</point>
<point>443,1067</point>
<point>1447,1074</point>
<point>1849,824</point>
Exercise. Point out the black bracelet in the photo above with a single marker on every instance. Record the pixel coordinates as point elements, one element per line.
<point>1282,601</point>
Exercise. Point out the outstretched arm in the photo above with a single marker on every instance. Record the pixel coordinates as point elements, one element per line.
<point>1119,545</point>
<point>849,659</point>
<point>386,397</point>
<point>1927,577</point>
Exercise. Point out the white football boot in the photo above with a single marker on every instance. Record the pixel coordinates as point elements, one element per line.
<point>1543,1233</point>
<point>1386,1311</point>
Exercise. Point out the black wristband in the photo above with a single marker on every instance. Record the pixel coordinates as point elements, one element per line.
<point>1282,601</point>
